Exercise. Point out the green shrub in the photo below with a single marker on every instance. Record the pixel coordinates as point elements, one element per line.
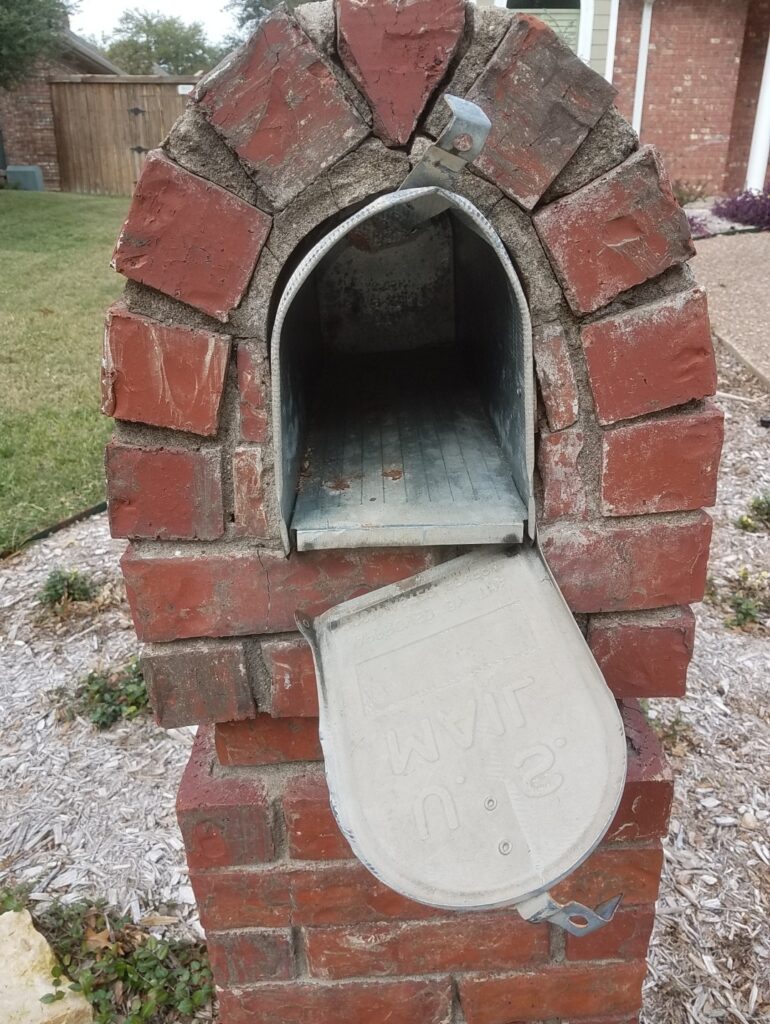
<point>62,588</point>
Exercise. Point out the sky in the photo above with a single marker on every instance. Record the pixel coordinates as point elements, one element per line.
<point>94,17</point>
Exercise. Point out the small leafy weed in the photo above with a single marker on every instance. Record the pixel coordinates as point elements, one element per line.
<point>749,599</point>
<point>105,698</point>
<point>63,587</point>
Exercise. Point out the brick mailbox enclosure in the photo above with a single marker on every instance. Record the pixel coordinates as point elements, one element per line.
<point>319,112</point>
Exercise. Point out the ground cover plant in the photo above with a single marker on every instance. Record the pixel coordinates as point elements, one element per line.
<point>108,697</point>
<point>758,516</point>
<point>127,974</point>
<point>54,287</point>
<point>750,208</point>
<point>63,586</point>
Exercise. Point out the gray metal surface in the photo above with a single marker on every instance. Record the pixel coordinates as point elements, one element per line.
<point>459,144</point>
<point>474,753</point>
<point>350,295</point>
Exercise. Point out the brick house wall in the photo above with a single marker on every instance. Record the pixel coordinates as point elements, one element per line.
<point>749,79</point>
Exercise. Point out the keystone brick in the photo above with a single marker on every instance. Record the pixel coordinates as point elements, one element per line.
<point>651,358</point>
<point>626,937</point>
<point>629,567</point>
<point>397,54</point>
<point>252,492</point>
<point>665,465</point>
<point>633,871</point>
<point>644,656</point>
<point>554,372</point>
<point>165,376</point>
<point>397,1002</point>
<point>569,990</point>
<point>557,461</point>
<point>164,493</point>
<point>190,239</point>
<point>243,957</point>
<point>179,596</point>
<point>311,828</point>
<point>277,103</point>
<point>224,821</point>
<point>469,942</point>
<point>542,102</point>
<point>293,690</point>
<point>198,684</point>
<point>266,740</point>
<point>254,389</point>
<point>646,802</point>
<point>619,231</point>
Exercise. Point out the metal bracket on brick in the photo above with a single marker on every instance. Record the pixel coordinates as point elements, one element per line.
<point>574,918</point>
<point>459,144</point>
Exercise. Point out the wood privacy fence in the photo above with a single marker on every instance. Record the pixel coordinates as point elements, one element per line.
<point>106,124</point>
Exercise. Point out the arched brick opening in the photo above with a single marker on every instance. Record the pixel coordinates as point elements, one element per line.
<point>321,112</point>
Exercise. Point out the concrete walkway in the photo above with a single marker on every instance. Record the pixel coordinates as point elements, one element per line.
<point>735,269</point>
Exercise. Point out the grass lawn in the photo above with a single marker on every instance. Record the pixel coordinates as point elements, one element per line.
<point>55,283</point>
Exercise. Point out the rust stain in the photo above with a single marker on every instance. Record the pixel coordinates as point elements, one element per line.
<point>392,474</point>
<point>338,484</point>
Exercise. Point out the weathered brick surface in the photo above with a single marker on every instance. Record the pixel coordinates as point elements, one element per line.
<point>564,493</point>
<point>224,821</point>
<point>470,942</point>
<point>651,358</point>
<point>198,684</point>
<point>254,390</point>
<point>267,740</point>
<point>646,802</point>
<point>397,54</point>
<point>278,104</point>
<point>626,937</point>
<point>632,871</point>
<point>255,954</point>
<point>568,990</point>
<point>312,832</point>
<point>190,239</point>
<point>644,656</point>
<point>555,375</point>
<point>165,376</point>
<point>621,230</point>
<point>397,1002</point>
<point>179,596</point>
<point>253,494</point>
<point>664,465</point>
<point>542,101</point>
<point>293,690</point>
<point>164,493</point>
<point>628,567</point>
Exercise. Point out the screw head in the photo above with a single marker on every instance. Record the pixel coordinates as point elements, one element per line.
<point>490,803</point>
<point>462,143</point>
<point>505,847</point>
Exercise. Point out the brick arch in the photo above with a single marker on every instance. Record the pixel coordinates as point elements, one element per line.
<point>293,129</point>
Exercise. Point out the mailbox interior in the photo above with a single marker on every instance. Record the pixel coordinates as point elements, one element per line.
<point>402,370</point>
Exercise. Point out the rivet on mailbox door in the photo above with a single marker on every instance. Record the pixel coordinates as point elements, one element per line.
<point>474,753</point>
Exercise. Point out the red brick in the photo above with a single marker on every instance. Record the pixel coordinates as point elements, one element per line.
<point>267,740</point>
<point>293,690</point>
<point>668,464</point>
<point>397,1002</point>
<point>179,596</point>
<point>556,377</point>
<point>198,684</point>
<point>164,493</point>
<point>644,656</point>
<point>651,358</point>
<point>619,231</point>
<point>189,238</point>
<point>243,899</point>
<point>542,102</point>
<point>557,460</point>
<point>646,802</point>
<point>311,828</point>
<point>252,489</point>
<point>397,54</point>
<point>165,376</point>
<point>254,390</point>
<point>224,821</point>
<point>243,957</point>
<point>626,937</point>
<point>278,104</point>
<point>466,942</point>
<point>569,990</point>
<point>629,567</point>
<point>609,871</point>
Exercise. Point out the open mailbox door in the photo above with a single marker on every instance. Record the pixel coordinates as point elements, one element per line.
<point>474,753</point>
